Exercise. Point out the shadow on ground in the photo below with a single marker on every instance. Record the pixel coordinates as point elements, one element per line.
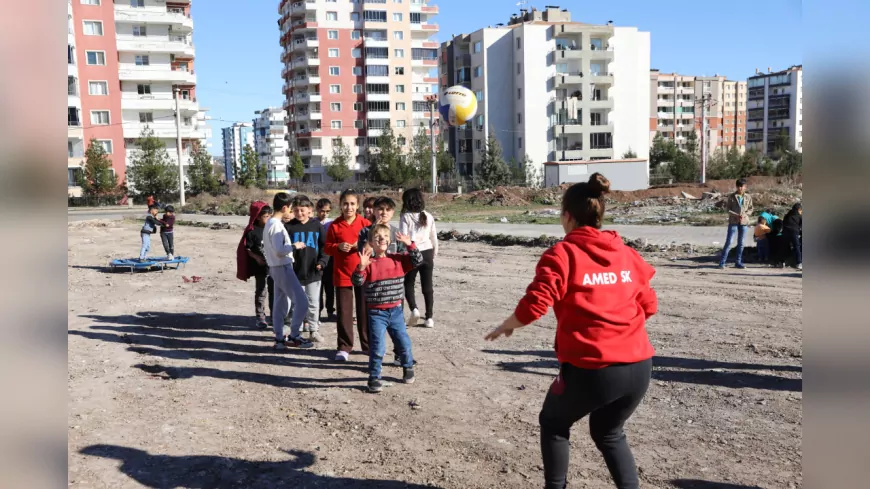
<point>213,472</point>
<point>699,484</point>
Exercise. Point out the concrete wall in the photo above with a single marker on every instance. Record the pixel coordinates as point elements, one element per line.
<point>631,89</point>
<point>628,175</point>
<point>537,91</point>
<point>499,92</point>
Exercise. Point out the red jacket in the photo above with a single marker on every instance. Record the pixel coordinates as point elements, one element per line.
<point>344,263</point>
<point>599,289</point>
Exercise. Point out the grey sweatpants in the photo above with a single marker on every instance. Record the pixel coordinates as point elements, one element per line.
<point>312,316</point>
<point>287,289</point>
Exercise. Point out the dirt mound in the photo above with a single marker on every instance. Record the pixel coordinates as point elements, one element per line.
<point>501,196</point>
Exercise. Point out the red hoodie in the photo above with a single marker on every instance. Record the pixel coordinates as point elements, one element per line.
<point>344,263</point>
<point>599,289</point>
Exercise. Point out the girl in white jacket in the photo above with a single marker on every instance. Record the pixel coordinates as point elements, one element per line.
<point>420,226</point>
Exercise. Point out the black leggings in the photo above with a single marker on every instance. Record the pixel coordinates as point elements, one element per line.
<point>609,396</point>
<point>426,271</point>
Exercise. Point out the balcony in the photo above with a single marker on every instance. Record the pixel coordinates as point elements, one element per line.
<point>310,151</point>
<point>376,42</point>
<point>307,97</point>
<point>565,79</point>
<point>385,114</point>
<point>304,61</point>
<point>308,43</point>
<point>154,44</point>
<point>300,7</point>
<point>601,127</point>
<point>309,116</point>
<point>603,102</point>
<point>602,52</point>
<point>568,29</point>
<point>569,126</point>
<point>377,97</point>
<point>146,73</point>
<point>150,102</point>
<point>302,25</point>
<point>568,54</point>
<point>161,129</point>
<point>373,79</point>
<point>424,63</point>
<point>570,154</point>
<point>601,77</point>
<point>176,18</point>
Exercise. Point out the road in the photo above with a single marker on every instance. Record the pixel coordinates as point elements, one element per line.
<point>657,235</point>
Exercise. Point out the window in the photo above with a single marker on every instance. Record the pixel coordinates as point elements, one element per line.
<point>331,15</point>
<point>478,144</point>
<point>145,117</point>
<point>72,85</point>
<point>479,95</point>
<point>601,140</point>
<point>519,68</point>
<point>90,2</point>
<point>332,34</point>
<point>400,88</point>
<point>357,89</point>
<point>416,17</point>
<point>139,31</point>
<point>98,88</point>
<point>143,89</point>
<point>333,52</point>
<point>397,17</point>
<point>334,71</point>
<point>377,88</point>
<point>335,89</point>
<point>377,70</point>
<point>399,53</point>
<point>400,123</point>
<point>335,124</point>
<point>335,107</point>
<point>357,106</point>
<point>519,93</point>
<point>519,46</point>
<point>143,60</point>
<point>93,28</point>
<point>478,46</point>
<point>375,15</point>
<point>70,55</point>
<point>398,35</point>
<point>356,52</point>
<point>520,142</point>
<point>354,16</point>
<point>355,35</point>
<point>137,3</point>
<point>357,71</point>
<point>519,118</point>
<point>99,117</point>
<point>399,70</point>
<point>96,58</point>
<point>400,105</point>
<point>478,71</point>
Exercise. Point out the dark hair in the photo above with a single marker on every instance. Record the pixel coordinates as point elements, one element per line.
<point>281,200</point>
<point>302,201</point>
<point>412,201</point>
<point>741,182</point>
<point>762,220</point>
<point>348,193</point>
<point>323,203</point>
<point>265,210</point>
<point>796,207</point>
<point>584,201</point>
<point>153,207</point>
<point>169,208</point>
<point>370,201</point>
<point>384,202</point>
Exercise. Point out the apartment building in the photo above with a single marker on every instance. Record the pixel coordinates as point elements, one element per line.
<point>350,67</point>
<point>775,110</point>
<point>235,138</point>
<point>126,60</point>
<point>675,109</point>
<point>270,141</point>
<point>550,88</point>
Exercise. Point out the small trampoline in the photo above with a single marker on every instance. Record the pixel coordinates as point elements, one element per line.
<point>148,264</point>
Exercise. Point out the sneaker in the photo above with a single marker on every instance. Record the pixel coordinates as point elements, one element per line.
<point>280,346</point>
<point>414,320</point>
<point>315,337</point>
<point>408,375</point>
<point>800,266</point>
<point>396,362</point>
<point>342,356</point>
<point>298,342</point>
<point>721,266</point>
<point>429,323</point>
<point>170,257</point>
<point>262,324</point>
<point>740,266</point>
<point>375,385</point>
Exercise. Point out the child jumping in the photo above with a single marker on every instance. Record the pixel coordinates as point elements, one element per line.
<point>420,226</point>
<point>341,245</point>
<point>251,260</point>
<point>307,237</point>
<point>327,294</point>
<point>149,228</point>
<point>167,228</point>
<point>382,277</point>
<point>600,291</point>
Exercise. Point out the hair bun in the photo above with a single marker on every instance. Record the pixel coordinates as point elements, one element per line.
<point>599,184</point>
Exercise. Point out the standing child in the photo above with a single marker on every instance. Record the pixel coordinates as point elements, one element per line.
<point>369,208</point>
<point>761,242</point>
<point>327,295</point>
<point>381,276</point>
<point>420,226</point>
<point>251,260</point>
<point>341,245</point>
<point>600,291</point>
<point>279,256</point>
<point>309,260</point>
<point>167,228</point>
<point>384,210</point>
<point>792,230</point>
<point>149,228</point>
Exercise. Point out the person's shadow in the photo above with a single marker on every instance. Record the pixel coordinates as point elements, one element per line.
<point>213,472</point>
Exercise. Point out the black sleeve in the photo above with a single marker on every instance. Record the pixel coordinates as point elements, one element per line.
<point>322,257</point>
<point>249,240</point>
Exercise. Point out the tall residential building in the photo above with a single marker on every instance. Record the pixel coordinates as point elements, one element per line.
<point>550,89</point>
<point>270,141</point>
<point>235,138</point>
<point>125,59</point>
<point>349,68</point>
<point>775,114</point>
<point>675,101</point>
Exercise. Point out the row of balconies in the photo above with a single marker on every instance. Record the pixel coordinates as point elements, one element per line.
<point>174,17</point>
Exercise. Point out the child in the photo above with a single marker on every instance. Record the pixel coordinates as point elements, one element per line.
<point>254,260</point>
<point>149,228</point>
<point>381,277</point>
<point>279,256</point>
<point>420,226</point>
<point>383,210</point>
<point>341,245</point>
<point>761,242</point>
<point>167,226</point>
<point>327,295</point>
<point>307,237</point>
<point>792,231</point>
<point>369,208</point>
<point>600,291</point>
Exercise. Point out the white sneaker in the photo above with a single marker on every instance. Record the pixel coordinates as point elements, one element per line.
<point>414,320</point>
<point>800,266</point>
<point>429,323</point>
<point>342,356</point>
<point>170,257</point>
<point>315,337</point>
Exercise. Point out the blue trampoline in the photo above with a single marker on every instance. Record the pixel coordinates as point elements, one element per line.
<point>151,263</point>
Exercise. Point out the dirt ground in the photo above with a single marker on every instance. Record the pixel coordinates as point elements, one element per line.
<point>169,386</point>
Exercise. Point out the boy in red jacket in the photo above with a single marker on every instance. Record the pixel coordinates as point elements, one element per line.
<point>600,291</point>
<point>383,278</point>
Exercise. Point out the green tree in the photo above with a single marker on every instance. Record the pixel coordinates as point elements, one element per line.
<point>684,168</point>
<point>297,169</point>
<point>662,151</point>
<point>262,180</point>
<point>201,174</point>
<point>247,174</point>
<point>388,165</point>
<point>492,171</point>
<point>97,177</point>
<point>791,164</point>
<point>420,155</point>
<point>338,167</point>
<point>444,161</point>
<point>693,148</point>
<point>630,154</point>
<point>534,176</point>
<point>151,171</point>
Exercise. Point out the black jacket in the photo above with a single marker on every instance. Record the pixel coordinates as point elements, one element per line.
<point>793,222</point>
<point>305,260</point>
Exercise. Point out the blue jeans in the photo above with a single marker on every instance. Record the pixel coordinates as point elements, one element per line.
<point>390,321</point>
<point>146,245</point>
<point>763,246</point>
<point>741,232</point>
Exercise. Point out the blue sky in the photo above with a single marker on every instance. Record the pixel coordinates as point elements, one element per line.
<point>238,63</point>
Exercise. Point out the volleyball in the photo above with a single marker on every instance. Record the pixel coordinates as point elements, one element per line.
<point>458,105</point>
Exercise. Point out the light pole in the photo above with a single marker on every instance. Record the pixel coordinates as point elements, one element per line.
<point>432,100</point>
<point>178,145</point>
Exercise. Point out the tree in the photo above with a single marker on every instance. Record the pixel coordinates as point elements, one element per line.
<point>97,177</point>
<point>420,155</point>
<point>151,171</point>
<point>492,171</point>
<point>262,175</point>
<point>791,165</point>
<point>693,148</point>
<point>201,173</point>
<point>297,169</point>
<point>662,151</point>
<point>247,174</point>
<point>534,175</point>
<point>630,154</point>
<point>684,168</point>
<point>444,161</point>
<point>338,167</point>
<point>387,164</point>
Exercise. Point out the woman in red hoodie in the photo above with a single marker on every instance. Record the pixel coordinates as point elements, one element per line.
<point>341,245</point>
<point>600,292</point>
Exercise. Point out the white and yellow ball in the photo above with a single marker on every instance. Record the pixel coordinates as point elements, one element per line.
<point>458,105</point>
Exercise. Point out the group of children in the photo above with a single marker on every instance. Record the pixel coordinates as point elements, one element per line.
<point>356,263</point>
<point>775,238</point>
<point>167,231</point>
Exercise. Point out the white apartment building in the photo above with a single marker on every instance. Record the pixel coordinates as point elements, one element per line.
<point>235,138</point>
<point>552,89</point>
<point>775,110</point>
<point>270,141</point>
<point>75,133</point>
